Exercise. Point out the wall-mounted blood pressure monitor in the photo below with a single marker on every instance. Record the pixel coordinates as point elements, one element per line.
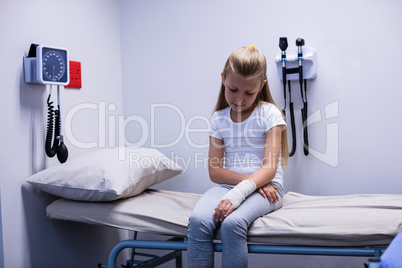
<point>47,65</point>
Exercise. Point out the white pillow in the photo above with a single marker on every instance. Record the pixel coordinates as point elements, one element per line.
<point>104,176</point>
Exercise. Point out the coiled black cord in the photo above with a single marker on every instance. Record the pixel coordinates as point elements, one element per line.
<point>53,118</point>
<point>53,134</point>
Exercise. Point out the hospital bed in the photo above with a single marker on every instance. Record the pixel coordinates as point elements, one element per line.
<point>350,225</point>
<point>111,187</point>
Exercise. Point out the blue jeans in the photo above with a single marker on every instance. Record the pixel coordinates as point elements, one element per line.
<point>201,228</point>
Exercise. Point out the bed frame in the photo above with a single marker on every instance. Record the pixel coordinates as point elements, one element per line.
<point>361,234</point>
<point>179,244</point>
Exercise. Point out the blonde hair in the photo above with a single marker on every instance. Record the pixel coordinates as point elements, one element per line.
<point>251,63</point>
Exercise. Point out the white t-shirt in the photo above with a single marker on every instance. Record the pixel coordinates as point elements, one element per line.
<point>244,142</point>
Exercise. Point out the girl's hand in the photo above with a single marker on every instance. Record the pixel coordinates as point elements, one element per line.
<point>269,191</point>
<point>223,210</point>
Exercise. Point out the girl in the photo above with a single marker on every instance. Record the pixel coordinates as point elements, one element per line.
<point>248,148</point>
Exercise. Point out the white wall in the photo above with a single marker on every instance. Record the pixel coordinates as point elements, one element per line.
<point>90,30</point>
<point>173,53</point>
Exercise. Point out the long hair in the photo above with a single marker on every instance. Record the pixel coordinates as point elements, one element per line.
<point>250,62</point>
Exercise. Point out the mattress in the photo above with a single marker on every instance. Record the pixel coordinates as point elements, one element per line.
<point>350,220</point>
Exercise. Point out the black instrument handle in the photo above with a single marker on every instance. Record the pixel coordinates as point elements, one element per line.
<point>292,123</point>
<point>305,133</point>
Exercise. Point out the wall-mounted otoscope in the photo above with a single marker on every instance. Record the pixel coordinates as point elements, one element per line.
<point>300,44</point>
<point>296,63</point>
<point>283,45</point>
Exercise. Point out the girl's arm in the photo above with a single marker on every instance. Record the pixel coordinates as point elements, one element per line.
<point>266,173</point>
<point>262,177</point>
<point>217,173</point>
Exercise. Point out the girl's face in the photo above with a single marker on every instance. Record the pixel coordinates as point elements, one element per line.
<point>241,92</point>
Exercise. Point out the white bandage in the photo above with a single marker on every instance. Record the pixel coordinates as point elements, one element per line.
<point>240,192</point>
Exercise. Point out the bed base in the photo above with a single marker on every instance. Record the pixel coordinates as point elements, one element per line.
<point>179,246</point>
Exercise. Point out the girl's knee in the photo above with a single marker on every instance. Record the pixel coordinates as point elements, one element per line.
<point>234,225</point>
<point>199,223</point>
<point>235,221</point>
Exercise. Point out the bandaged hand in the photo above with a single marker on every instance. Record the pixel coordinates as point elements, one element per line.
<point>240,192</point>
<point>223,210</point>
<point>232,199</point>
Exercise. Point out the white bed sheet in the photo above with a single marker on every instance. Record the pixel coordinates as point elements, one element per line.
<point>350,220</point>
